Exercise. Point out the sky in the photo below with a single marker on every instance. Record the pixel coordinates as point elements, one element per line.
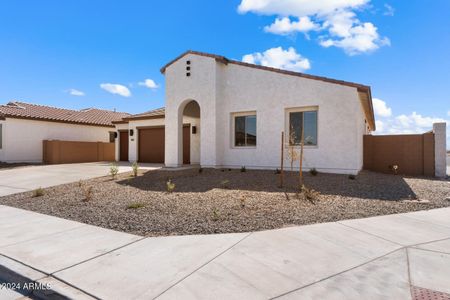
<point>107,54</point>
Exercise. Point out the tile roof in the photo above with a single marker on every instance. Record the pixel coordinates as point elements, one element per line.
<point>365,89</point>
<point>151,114</point>
<point>88,116</point>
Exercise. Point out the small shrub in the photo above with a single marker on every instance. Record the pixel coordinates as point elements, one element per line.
<point>170,186</point>
<point>135,205</point>
<point>394,169</point>
<point>215,214</point>
<point>351,177</point>
<point>309,194</point>
<point>242,200</point>
<point>113,170</point>
<point>200,170</point>
<point>39,192</point>
<point>225,184</point>
<point>135,168</point>
<point>88,193</point>
<point>229,170</point>
<point>277,171</point>
<point>243,169</point>
<point>313,172</point>
<point>222,170</point>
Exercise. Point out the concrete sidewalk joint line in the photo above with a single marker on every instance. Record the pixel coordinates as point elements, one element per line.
<point>339,273</point>
<point>203,265</point>
<point>97,256</point>
<point>369,233</point>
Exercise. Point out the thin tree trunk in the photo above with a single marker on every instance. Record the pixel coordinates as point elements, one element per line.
<point>282,159</point>
<point>301,161</point>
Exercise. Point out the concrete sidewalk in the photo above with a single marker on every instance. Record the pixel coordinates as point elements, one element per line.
<point>22,179</point>
<point>387,257</point>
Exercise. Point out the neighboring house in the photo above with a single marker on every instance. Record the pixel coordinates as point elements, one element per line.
<point>236,113</point>
<point>24,126</point>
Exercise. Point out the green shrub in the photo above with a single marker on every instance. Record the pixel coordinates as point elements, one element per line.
<point>170,186</point>
<point>225,184</point>
<point>277,171</point>
<point>215,214</point>
<point>200,170</point>
<point>113,170</point>
<point>135,168</point>
<point>351,177</point>
<point>243,169</point>
<point>39,192</point>
<point>135,205</point>
<point>313,172</point>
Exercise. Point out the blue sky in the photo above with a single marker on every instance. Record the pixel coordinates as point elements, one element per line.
<point>400,48</point>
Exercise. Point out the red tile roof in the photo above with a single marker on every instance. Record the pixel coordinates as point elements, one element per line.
<point>151,114</point>
<point>368,107</point>
<point>88,116</point>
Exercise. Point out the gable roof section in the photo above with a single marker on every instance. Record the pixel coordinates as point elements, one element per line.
<point>89,116</point>
<point>158,113</point>
<point>364,91</point>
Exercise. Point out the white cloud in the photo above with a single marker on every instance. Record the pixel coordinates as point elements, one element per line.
<point>284,26</point>
<point>149,83</point>
<point>388,10</point>
<point>279,58</point>
<point>75,92</point>
<point>380,108</point>
<point>117,89</point>
<point>335,20</point>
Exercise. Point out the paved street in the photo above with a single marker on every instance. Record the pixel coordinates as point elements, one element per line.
<point>387,257</point>
<point>28,178</point>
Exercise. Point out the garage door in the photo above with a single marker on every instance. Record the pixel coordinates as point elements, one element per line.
<point>151,145</point>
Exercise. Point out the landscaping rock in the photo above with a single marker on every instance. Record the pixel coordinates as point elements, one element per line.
<point>213,201</point>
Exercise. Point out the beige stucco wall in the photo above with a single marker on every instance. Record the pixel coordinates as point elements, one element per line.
<point>22,139</point>
<point>225,89</point>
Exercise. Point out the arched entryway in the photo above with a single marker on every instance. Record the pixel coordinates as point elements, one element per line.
<point>189,110</point>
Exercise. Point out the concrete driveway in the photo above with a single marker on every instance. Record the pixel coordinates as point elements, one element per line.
<point>28,178</point>
<point>402,256</point>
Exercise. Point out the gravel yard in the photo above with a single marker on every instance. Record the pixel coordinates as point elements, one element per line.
<point>219,201</point>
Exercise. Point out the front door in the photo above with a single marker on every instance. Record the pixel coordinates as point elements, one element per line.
<point>123,142</point>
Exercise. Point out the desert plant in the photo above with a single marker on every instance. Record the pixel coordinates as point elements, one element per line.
<point>309,194</point>
<point>292,152</point>
<point>394,169</point>
<point>351,177</point>
<point>39,192</point>
<point>200,170</point>
<point>113,170</point>
<point>135,205</point>
<point>277,171</point>
<point>87,193</point>
<point>215,214</point>
<point>170,186</point>
<point>225,184</point>
<point>243,169</point>
<point>135,168</point>
<point>313,172</point>
<point>242,200</point>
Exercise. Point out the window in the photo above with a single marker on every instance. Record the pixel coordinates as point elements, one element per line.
<point>306,120</point>
<point>112,136</point>
<point>1,136</point>
<point>245,131</point>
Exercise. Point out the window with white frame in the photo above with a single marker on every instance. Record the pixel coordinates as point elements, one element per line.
<point>244,127</point>
<point>302,119</point>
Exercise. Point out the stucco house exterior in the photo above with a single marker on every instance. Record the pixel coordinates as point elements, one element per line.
<point>24,127</point>
<point>234,113</point>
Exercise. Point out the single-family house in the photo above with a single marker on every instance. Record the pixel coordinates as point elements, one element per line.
<point>226,113</point>
<point>24,127</point>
